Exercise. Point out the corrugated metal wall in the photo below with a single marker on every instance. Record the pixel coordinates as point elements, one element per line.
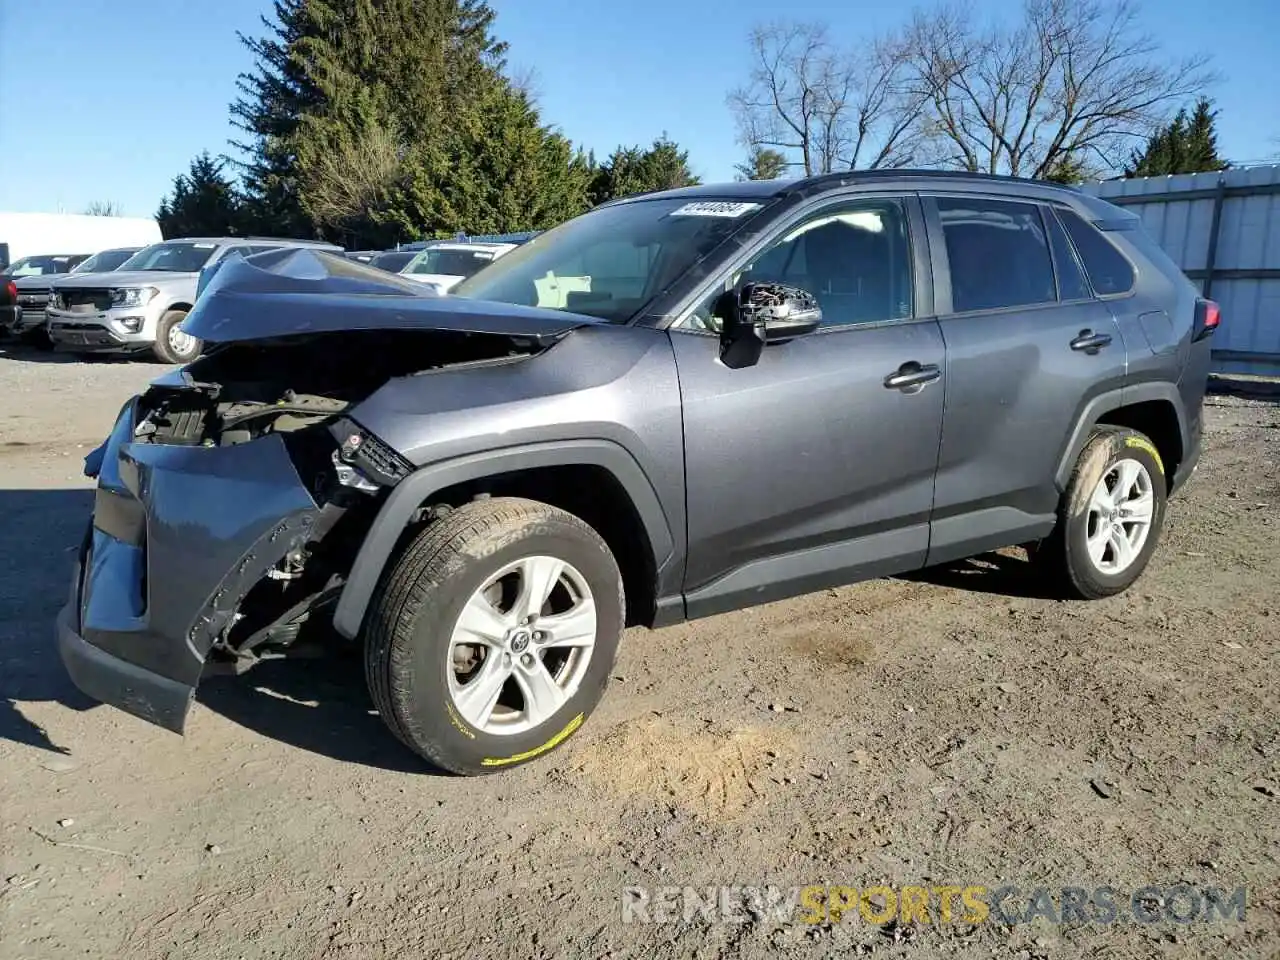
<point>1224,231</point>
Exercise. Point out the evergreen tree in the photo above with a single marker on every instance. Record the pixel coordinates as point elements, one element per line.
<point>664,166</point>
<point>273,99</point>
<point>764,163</point>
<point>204,203</point>
<point>379,120</point>
<point>1187,144</point>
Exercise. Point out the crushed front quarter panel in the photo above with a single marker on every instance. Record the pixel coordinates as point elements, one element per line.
<point>180,534</point>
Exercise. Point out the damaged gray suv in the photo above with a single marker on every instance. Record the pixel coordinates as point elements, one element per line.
<point>675,405</point>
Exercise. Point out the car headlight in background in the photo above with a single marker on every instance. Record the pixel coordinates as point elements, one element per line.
<point>132,296</point>
<point>55,300</point>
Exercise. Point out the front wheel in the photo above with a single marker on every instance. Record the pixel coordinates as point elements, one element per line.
<point>173,344</point>
<point>492,637</point>
<point>1111,517</point>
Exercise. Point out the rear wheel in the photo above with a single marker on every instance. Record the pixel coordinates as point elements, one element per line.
<point>492,638</point>
<point>1111,517</point>
<point>173,344</point>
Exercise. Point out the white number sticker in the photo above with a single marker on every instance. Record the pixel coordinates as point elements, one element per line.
<point>714,208</point>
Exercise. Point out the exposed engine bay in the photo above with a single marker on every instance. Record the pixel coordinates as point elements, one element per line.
<point>301,390</point>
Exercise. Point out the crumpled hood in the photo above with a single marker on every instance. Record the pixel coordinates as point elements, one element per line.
<point>299,291</point>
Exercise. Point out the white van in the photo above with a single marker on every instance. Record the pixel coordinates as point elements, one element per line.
<point>34,234</point>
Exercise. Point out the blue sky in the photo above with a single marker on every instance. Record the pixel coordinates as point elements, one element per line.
<point>109,100</point>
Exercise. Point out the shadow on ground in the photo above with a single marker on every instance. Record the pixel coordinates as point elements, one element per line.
<point>39,533</point>
<point>16,349</point>
<point>1010,576</point>
<point>315,704</point>
<point>319,704</point>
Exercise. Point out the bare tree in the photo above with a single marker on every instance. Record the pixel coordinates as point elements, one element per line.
<point>825,108</point>
<point>103,208</point>
<point>1074,82</point>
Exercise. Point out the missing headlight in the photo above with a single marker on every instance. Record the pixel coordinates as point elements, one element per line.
<point>364,454</point>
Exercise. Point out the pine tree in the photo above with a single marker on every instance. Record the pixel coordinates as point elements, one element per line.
<point>1187,144</point>
<point>664,166</point>
<point>764,163</point>
<point>204,203</point>
<point>380,120</point>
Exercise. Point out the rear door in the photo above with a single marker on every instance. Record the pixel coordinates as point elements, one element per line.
<point>814,466</point>
<point>1027,347</point>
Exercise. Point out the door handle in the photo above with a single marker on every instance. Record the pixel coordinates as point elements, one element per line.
<point>1090,342</point>
<point>912,376</point>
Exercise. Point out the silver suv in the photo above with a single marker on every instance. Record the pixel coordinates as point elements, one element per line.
<point>140,307</point>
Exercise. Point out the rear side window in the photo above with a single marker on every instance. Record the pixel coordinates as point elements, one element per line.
<point>1071,282</point>
<point>1108,269</point>
<point>998,253</point>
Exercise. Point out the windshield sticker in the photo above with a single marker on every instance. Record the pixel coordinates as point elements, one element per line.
<point>204,246</point>
<point>714,208</point>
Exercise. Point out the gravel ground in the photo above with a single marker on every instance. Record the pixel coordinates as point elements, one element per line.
<point>948,728</point>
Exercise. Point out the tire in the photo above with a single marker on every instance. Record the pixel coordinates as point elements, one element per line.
<point>1113,456</point>
<point>414,645</point>
<point>165,351</point>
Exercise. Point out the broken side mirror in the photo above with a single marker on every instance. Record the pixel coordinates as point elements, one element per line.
<point>759,313</point>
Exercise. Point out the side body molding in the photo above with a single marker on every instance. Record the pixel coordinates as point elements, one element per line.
<point>417,488</point>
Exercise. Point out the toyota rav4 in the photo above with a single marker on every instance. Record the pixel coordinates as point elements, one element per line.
<point>677,404</point>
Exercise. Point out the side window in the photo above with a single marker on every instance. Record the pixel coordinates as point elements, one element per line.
<point>243,251</point>
<point>998,254</point>
<point>854,258</point>
<point>1071,282</point>
<point>1108,269</point>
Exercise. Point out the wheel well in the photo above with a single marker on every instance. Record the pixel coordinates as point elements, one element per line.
<point>595,496</point>
<point>1159,421</point>
<point>184,307</point>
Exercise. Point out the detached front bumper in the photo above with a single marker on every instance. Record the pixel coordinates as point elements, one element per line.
<point>179,535</point>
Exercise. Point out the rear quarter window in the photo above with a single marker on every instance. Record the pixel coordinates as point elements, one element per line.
<point>1109,271</point>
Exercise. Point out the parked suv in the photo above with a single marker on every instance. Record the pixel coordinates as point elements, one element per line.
<point>27,318</point>
<point>747,392</point>
<point>140,306</point>
<point>16,278</point>
<point>445,264</point>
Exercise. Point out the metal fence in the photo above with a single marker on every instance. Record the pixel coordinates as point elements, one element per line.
<point>1223,230</point>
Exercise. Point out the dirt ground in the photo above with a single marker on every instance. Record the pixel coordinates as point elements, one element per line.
<point>949,728</point>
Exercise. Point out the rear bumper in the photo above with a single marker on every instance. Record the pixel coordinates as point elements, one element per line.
<point>10,317</point>
<point>1188,465</point>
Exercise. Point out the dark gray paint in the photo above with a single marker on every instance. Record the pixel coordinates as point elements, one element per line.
<point>803,470</point>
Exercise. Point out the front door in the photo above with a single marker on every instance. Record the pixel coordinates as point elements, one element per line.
<point>815,466</point>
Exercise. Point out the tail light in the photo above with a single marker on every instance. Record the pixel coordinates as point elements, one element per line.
<point>11,291</point>
<point>1208,316</point>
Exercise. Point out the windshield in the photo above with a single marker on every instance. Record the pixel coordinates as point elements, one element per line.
<point>104,262</point>
<point>186,257</point>
<point>612,261</point>
<point>392,262</point>
<point>39,266</point>
<point>443,261</point>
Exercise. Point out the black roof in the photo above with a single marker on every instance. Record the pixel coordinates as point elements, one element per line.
<point>765,189</point>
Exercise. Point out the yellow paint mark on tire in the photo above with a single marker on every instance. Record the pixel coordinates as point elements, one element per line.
<point>555,741</point>
<point>457,721</point>
<point>1142,443</point>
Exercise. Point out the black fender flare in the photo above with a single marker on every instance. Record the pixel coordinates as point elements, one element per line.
<point>410,494</point>
<point>1103,404</point>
